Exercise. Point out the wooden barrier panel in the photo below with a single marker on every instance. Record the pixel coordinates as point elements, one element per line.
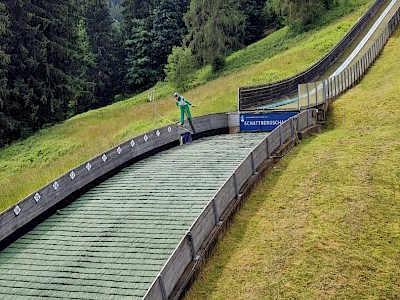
<point>202,227</point>
<point>156,290</point>
<point>209,122</point>
<point>219,121</point>
<point>303,120</point>
<point>286,131</point>
<point>260,154</point>
<point>233,120</point>
<point>244,172</point>
<point>225,195</point>
<point>176,265</point>
<point>273,140</point>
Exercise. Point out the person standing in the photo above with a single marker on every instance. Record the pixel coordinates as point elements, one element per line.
<point>184,105</point>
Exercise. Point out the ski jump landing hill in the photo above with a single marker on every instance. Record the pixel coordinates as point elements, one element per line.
<point>138,220</point>
<point>146,227</point>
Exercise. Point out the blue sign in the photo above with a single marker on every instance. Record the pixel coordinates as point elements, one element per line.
<point>264,121</point>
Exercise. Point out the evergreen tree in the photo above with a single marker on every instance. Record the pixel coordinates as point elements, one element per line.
<point>137,28</point>
<point>21,105</point>
<point>115,10</point>
<point>255,20</point>
<point>273,18</point>
<point>42,74</point>
<point>55,80</point>
<point>5,34</point>
<point>214,28</point>
<point>86,98</point>
<point>152,29</point>
<point>85,90</point>
<point>168,30</point>
<point>8,125</point>
<point>141,71</point>
<point>103,41</point>
<point>298,14</point>
<point>133,10</point>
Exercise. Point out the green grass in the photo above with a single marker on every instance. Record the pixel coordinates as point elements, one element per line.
<point>325,223</point>
<point>27,165</point>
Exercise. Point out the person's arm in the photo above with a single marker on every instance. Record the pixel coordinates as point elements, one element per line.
<point>189,103</point>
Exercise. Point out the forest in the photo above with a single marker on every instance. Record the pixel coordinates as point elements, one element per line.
<point>62,58</point>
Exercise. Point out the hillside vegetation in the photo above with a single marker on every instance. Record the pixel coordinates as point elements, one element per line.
<point>325,223</point>
<point>27,165</point>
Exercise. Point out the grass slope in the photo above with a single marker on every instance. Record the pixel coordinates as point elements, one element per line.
<point>27,165</point>
<point>325,223</point>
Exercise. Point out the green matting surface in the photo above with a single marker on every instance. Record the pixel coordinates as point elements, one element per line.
<point>112,242</point>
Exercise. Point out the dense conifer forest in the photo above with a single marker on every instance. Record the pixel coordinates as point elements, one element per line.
<point>59,59</point>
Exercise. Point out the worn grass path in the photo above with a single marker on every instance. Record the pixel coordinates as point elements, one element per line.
<point>325,223</point>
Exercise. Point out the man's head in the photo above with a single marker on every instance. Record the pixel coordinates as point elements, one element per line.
<point>176,95</point>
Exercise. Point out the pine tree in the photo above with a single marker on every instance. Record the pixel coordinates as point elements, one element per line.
<point>133,10</point>
<point>214,28</point>
<point>86,99</point>
<point>152,28</point>
<point>55,79</point>
<point>5,34</point>
<point>141,72</point>
<point>255,20</point>
<point>168,29</point>
<point>104,42</point>
<point>115,10</point>
<point>139,59</point>
<point>8,125</point>
<point>43,66</point>
<point>21,105</point>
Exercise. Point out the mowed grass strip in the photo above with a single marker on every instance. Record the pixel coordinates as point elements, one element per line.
<point>325,223</point>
